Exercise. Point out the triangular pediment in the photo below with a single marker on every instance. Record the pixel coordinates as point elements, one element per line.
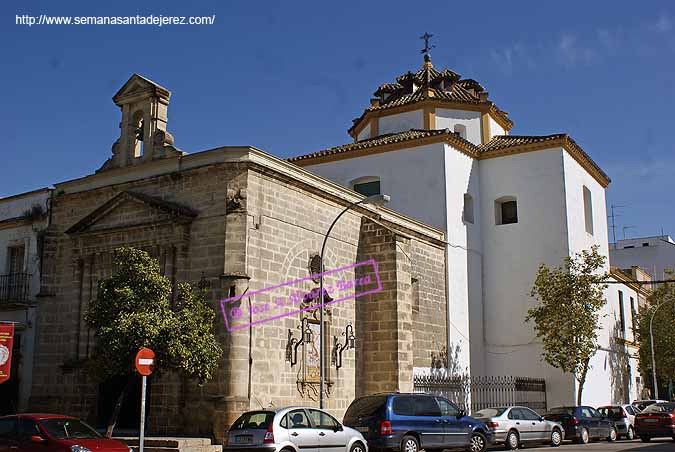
<point>139,85</point>
<point>131,209</point>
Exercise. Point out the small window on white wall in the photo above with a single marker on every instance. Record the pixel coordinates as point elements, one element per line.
<point>460,130</point>
<point>367,186</point>
<point>588,210</point>
<point>468,208</point>
<point>506,210</point>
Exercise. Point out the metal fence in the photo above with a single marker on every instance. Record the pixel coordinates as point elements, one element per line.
<point>475,393</point>
<point>14,287</point>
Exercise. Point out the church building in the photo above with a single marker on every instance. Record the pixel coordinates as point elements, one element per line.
<point>233,220</point>
<point>443,150</point>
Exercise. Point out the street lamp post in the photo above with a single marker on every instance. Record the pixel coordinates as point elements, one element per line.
<point>378,200</point>
<point>651,343</point>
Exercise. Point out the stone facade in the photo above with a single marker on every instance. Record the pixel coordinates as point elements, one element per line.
<point>240,220</point>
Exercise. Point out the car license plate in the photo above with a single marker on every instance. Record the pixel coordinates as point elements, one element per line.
<point>651,420</point>
<point>243,439</point>
<point>362,429</point>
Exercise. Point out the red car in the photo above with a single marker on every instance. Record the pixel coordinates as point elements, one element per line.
<point>53,433</point>
<point>656,420</point>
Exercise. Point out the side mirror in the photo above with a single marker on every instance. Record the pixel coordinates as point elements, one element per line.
<point>541,418</point>
<point>37,439</point>
<point>338,428</point>
<point>461,414</point>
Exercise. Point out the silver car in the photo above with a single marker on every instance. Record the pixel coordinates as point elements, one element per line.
<point>513,426</point>
<point>292,429</point>
<point>623,417</point>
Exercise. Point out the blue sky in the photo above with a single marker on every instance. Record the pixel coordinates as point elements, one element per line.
<point>288,77</point>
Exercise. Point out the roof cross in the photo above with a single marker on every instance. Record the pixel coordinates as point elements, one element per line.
<point>427,48</point>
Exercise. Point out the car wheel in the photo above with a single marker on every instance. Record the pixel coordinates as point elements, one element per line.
<point>512,440</point>
<point>556,438</point>
<point>410,444</point>
<point>357,447</point>
<point>583,436</point>
<point>645,439</point>
<point>478,442</point>
<point>612,435</point>
<point>630,436</point>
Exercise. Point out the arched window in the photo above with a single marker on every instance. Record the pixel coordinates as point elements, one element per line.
<point>460,129</point>
<point>588,210</point>
<point>468,208</point>
<point>506,210</point>
<point>367,185</point>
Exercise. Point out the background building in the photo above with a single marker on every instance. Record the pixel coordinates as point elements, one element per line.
<point>653,254</point>
<point>23,219</point>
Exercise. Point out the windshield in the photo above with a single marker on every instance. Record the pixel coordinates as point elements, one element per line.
<point>660,408</point>
<point>68,429</point>
<point>253,420</point>
<point>489,412</point>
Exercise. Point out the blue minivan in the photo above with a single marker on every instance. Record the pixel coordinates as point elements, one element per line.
<point>410,422</point>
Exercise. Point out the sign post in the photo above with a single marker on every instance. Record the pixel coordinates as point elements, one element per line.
<point>6,342</point>
<point>145,363</point>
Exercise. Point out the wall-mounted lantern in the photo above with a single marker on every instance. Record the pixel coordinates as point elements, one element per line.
<point>350,343</point>
<point>292,343</point>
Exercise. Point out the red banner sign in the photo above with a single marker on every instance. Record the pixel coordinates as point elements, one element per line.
<point>6,341</point>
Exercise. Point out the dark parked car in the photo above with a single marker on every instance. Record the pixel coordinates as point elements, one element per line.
<point>53,433</point>
<point>410,422</point>
<point>583,423</point>
<point>656,420</point>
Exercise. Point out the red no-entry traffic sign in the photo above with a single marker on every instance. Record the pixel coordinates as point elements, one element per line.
<point>145,361</point>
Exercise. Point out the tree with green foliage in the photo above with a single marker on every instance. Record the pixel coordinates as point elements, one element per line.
<point>663,328</point>
<point>566,319</point>
<point>133,309</point>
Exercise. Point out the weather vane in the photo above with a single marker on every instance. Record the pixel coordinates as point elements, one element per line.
<point>427,48</point>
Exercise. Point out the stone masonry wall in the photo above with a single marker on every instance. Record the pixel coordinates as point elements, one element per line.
<point>254,229</point>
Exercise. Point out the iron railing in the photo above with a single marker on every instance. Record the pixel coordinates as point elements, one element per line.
<point>476,393</point>
<point>14,287</point>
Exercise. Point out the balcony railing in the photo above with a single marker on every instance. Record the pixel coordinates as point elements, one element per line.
<point>14,288</point>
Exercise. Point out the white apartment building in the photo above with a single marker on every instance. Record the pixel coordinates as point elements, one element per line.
<point>654,254</point>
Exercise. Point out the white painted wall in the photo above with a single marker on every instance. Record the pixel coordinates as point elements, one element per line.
<point>412,177</point>
<point>401,122</point>
<point>365,133</point>
<point>614,368</point>
<point>496,129</point>
<point>464,260</point>
<point>417,183</point>
<point>25,319</point>
<point>511,256</point>
<point>576,177</point>
<point>447,119</point>
<point>491,268</point>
